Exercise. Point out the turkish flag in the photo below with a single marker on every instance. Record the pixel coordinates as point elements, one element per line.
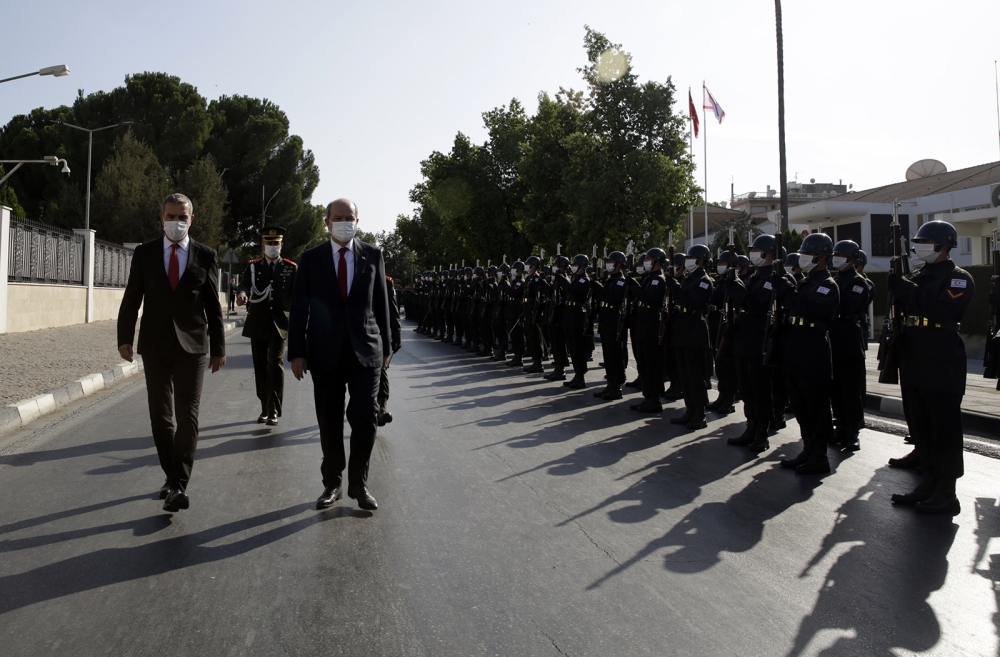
<point>693,113</point>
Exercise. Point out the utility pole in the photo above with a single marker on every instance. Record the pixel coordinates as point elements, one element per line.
<point>783,176</point>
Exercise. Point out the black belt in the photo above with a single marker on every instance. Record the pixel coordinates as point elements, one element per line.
<point>605,304</point>
<point>646,305</point>
<point>855,317</point>
<point>805,323</point>
<point>923,322</point>
<point>689,311</point>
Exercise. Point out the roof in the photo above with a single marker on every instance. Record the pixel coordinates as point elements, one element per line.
<point>952,181</point>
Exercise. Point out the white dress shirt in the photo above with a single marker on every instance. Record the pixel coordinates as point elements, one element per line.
<point>182,255</point>
<point>349,257</point>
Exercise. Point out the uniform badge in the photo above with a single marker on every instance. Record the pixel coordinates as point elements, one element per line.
<point>703,284</point>
<point>655,281</point>
<point>823,290</point>
<point>768,286</point>
<point>621,282</point>
<point>959,282</point>
<point>858,289</point>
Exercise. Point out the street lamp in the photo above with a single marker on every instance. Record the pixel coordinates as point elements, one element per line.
<point>263,212</point>
<point>55,71</point>
<point>90,152</point>
<point>48,159</point>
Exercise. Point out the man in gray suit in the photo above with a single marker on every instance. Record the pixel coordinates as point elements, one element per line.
<point>339,330</point>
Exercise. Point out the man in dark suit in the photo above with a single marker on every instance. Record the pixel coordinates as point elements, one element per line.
<point>267,292</point>
<point>339,330</point>
<point>176,281</point>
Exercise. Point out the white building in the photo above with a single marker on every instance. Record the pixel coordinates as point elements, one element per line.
<point>968,198</point>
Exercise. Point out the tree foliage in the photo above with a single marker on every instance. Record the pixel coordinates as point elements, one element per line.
<point>743,228</point>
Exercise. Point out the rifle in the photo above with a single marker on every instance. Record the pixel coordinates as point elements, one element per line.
<point>725,342</point>
<point>668,298</point>
<point>554,301</point>
<point>991,361</point>
<point>773,315</point>
<point>626,312</point>
<point>594,308</point>
<point>892,331</point>
<point>538,308</point>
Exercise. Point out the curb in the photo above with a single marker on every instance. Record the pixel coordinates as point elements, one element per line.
<point>20,413</point>
<point>887,405</point>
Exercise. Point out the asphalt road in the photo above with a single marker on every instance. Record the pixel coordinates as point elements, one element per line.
<point>516,518</point>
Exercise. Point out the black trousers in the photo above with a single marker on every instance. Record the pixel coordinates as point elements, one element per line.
<point>173,389</point>
<point>578,346</point>
<point>557,336</point>
<point>615,359</point>
<point>269,371</point>
<point>811,400</point>
<point>515,329</point>
<point>501,340</point>
<point>649,362</point>
<point>692,370</point>
<point>383,387</point>
<point>725,369</point>
<point>472,329</point>
<point>486,330</point>
<point>533,342</point>
<point>779,392</point>
<point>755,380</point>
<point>846,393</point>
<point>459,319</point>
<point>362,414</point>
<point>935,420</point>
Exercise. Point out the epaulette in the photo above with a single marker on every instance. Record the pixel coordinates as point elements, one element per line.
<point>256,260</point>
<point>289,262</point>
<point>388,279</point>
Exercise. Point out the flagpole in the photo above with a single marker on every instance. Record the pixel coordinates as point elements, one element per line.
<point>704,121</point>
<point>997,84</point>
<point>691,140</point>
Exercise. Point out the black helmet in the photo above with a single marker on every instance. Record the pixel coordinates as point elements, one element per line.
<point>940,232</point>
<point>765,243</point>
<point>453,272</point>
<point>504,268</point>
<point>561,261</point>
<point>478,271</point>
<point>817,244</point>
<point>467,271</point>
<point>618,256</point>
<point>742,261</point>
<point>656,255</point>
<point>724,257</point>
<point>862,258</point>
<point>700,252</point>
<point>590,271</point>
<point>492,271</point>
<point>846,248</point>
<point>581,260</point>
<point>518,265</point>
<point>784,253</point>
<point>792,259</point>
<point>679,259</point>
<point>533,261</point>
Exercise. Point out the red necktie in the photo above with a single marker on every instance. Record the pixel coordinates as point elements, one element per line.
<point>342,272</point>
<point>173,271</point>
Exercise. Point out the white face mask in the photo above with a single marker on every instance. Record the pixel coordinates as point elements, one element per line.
<point>272,251</point>
<point>609,267</point>
<point>531,269</point>
<point>926,252</point>
<point>757,259</point>
<point>640,269</point>
<point>807,262</point>
<point>647,265</point>
<point>789,270</point>
<point>916,263</point>
<point>176,230</point>
<point>573,269</point>
<point>343,231</point>
<point>690,265</point>
<point>839,262</point>
<point>722,269</point>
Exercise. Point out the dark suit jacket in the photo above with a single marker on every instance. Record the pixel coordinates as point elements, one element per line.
<point>320,313</point>
<point>191,315</point>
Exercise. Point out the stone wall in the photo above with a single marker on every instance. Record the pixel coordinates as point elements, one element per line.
<point>32,306</point>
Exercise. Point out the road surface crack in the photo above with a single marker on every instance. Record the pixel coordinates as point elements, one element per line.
<point>551,640</point>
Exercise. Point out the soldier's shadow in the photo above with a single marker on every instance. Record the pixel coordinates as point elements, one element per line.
<point>987,528</point>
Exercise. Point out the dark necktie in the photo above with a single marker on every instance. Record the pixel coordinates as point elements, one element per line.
<point>342,272</point>
<point>173,270</point>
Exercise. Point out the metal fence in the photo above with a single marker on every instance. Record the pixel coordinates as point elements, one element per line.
<point>39,253</point>
<point>112,263</point>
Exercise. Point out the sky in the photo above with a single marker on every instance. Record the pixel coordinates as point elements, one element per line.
<point>373,87</point>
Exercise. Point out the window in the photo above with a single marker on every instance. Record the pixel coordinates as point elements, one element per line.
<point>964,246</point>
<point>882,233</point>
<point>849,232</point>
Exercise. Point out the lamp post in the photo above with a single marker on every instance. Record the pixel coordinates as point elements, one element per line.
<point>783,171</point>
<point>263,205</point>
<point>54,71</point>
<point>48,159</point>
<point>90,153</point>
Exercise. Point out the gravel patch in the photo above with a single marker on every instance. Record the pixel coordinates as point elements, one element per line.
<point>35,362</point>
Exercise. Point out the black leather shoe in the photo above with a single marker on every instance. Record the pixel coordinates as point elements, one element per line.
<point>262,419</point>
<point>908,439</point>
<point>698,421</point>
<point>673,394</point>
<point>921,493</point>
<point>330,495</point>
<point>650,406</point>
<point>577,383</point>
<point>776,425</point>
<point>556,376</point>
<point>909,462</point>
<point>164,490</point>
<point>797,461</point>
<point>614,393</point>
<point>517,362</point>
<point>600,393</point>
<point>176,500</point>
<point>815,464</point>
<point>633,384</point>
<point>759,445</point>
<point>386,417</point>
<point>682,419</point>
<point>537,368</point>
<point>364,498</point>
<point>272,420</point>
<point>940,504</point>
<point>747,436</point>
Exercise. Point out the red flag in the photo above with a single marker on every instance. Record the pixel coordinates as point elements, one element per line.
<point>693,113</point>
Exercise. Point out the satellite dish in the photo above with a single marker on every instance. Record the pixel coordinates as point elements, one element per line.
<point>995,197</point>
<point>925,168</point>
<point>812,180</point>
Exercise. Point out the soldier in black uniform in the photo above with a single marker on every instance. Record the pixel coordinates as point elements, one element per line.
<point>635,285</point>
<point>610,307</point>
<point>646,337</point>
<point>576,295</point>
<point>932,372</point>
<point>451,290</point>
<point>396,329</point>
<point>812,305</point>
<point>725,367</point>
<point>488,311</point>
<point>529,310</point>
<point>689,338</point>
<point>512,295</point>
<point>472,308</point>
<point>753,297</point>
<point>676,389</point>
<point>267,288</point>
<point>556,304</point>
<point>848,346</point>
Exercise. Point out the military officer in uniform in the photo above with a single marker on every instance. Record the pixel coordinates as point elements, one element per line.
<point>610,306</point>
<point>529,310</point>
<point>848,346</point>
<point>689,339</point>
<point>725,366</point>
<point>932,372</point>
<point>267,291</point>
<point>512,291</point>
<point>646,337</point>
<point>808,362</point>
<point>576,295</point>
<point>556,305</point>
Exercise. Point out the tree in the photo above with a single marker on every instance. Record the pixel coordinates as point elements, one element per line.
<point>128,192</point>
<point>8,197</point>
<point>743,227</point>
<point>202,183</point>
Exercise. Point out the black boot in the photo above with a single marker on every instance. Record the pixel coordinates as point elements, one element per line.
<point>578,383</point>
<point>760,443</point>
<point>613,392</point>
<point>909,462</point>
<point>921,493</point>
<point>673,393</point>
<point>600,393</point>
<point>634,384</point>
<point>746,437</point>
<point>817,463</point>
<point>698,420</point>
<point>798,460</point>
<point>942,501</point>
<point>536,368</point>
<point>686,417</point>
